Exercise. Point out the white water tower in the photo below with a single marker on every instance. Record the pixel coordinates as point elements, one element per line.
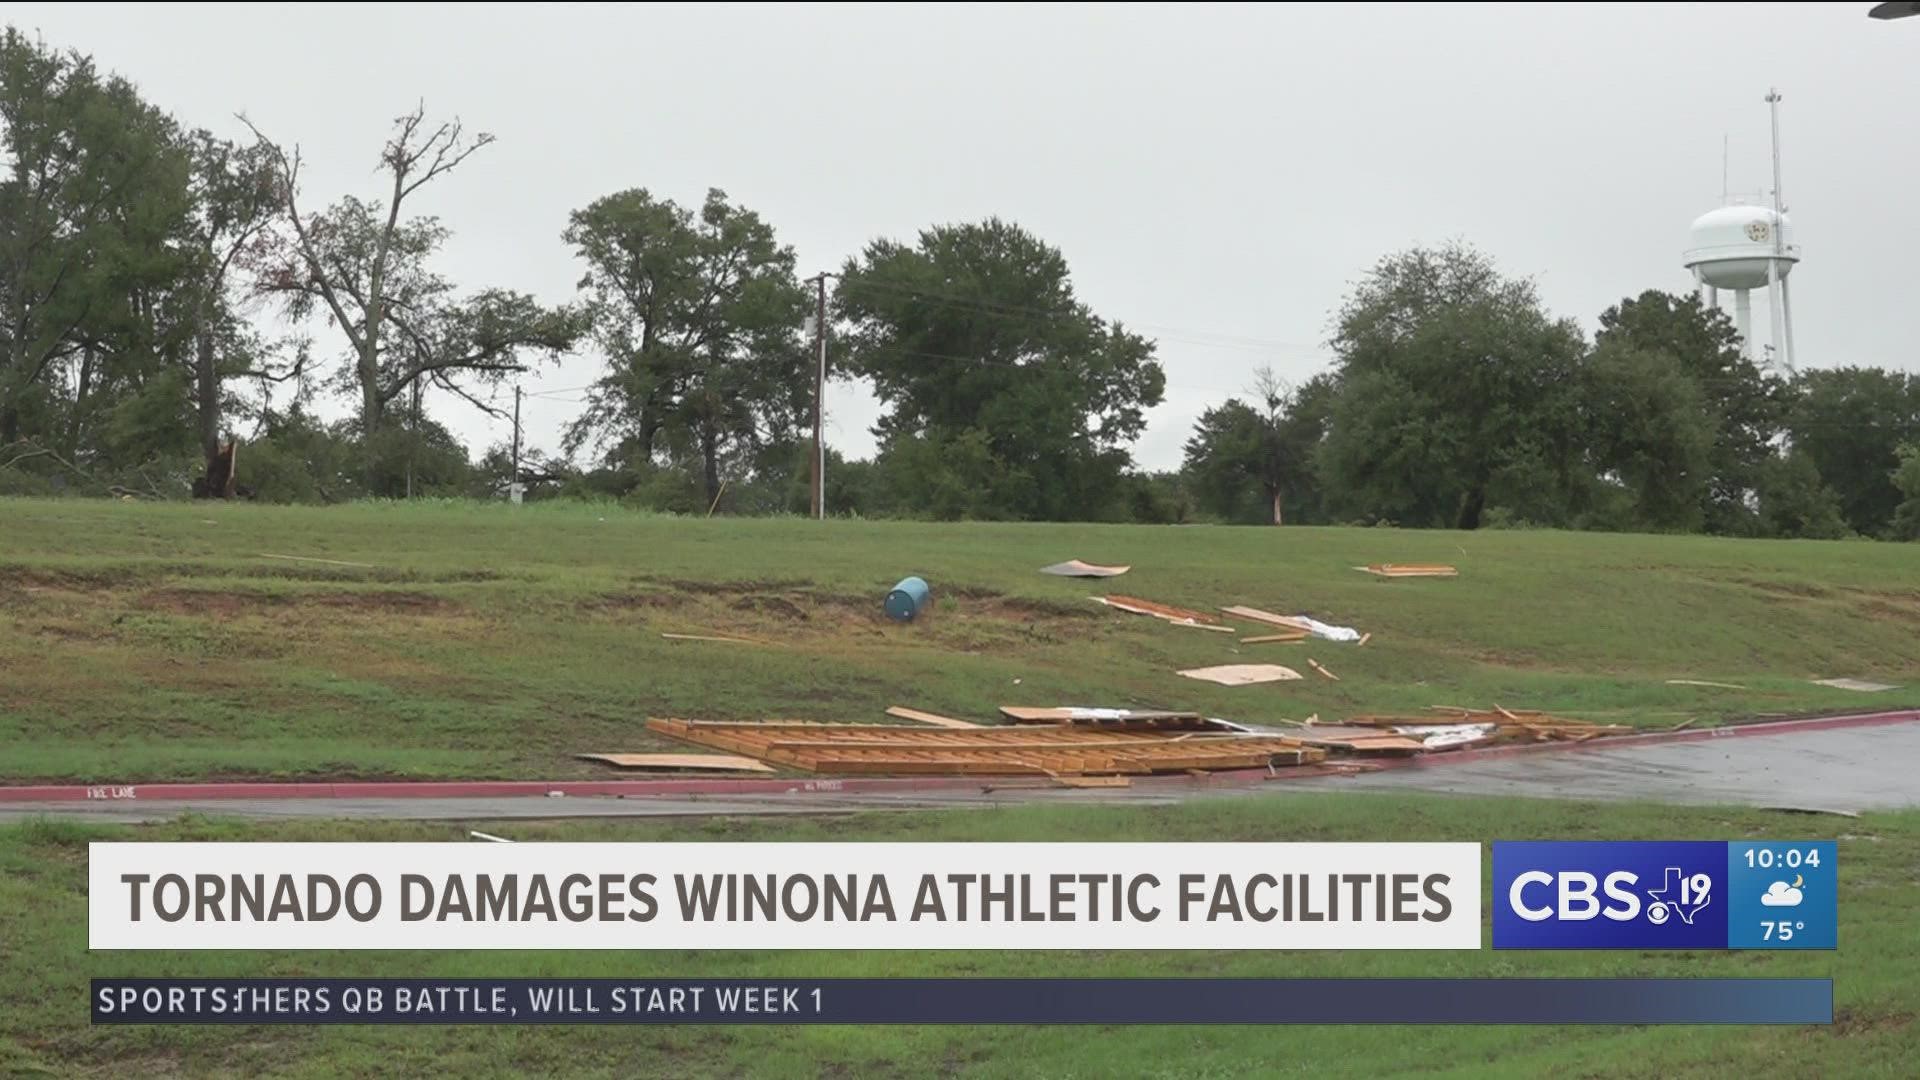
<point>1744,247</point>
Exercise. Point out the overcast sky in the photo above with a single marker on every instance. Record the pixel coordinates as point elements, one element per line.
<point>1215,176</point>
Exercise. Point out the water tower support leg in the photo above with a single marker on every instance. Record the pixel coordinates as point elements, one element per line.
<point>1743,320</point>
<point>1786,313</point>
<point>1775,333</point>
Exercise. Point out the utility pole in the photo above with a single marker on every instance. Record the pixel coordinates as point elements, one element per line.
<point>515,478</point>
<point>413,437</point>
<point>819,397</point>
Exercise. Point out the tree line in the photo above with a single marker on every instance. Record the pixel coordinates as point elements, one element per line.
<point>165,293</point>
<point>1456,400</point>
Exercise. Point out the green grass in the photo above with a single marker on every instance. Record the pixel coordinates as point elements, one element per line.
<point>44,965</point>
<point>144,642</point>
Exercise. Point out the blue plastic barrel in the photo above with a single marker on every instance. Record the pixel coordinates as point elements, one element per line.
<point>906,599</point>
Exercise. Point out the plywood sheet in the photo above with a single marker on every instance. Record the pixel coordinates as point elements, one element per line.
<point>1242,674</point>
<point>1076,568</point>
<point>712,762</point>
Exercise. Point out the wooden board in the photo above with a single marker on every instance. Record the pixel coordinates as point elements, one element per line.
<point>1162,611</point>
<point>713,762</point>
<point>901,712</point>
<point>1267,617</point>
<point>1400,570</point>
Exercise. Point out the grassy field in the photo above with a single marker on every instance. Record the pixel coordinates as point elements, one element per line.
<point>143,642</point>
<point>44,967</point>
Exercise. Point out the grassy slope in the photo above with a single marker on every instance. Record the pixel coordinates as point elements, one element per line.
<point>145,642</point>
<point>44,966</point>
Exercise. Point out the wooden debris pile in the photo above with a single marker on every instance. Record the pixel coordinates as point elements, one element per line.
<point>1495,725</point>
<point>1068,749</point>
<point>1359,739</point>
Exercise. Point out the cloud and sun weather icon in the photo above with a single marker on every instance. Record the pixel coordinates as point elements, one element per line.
<point>1781,894</point>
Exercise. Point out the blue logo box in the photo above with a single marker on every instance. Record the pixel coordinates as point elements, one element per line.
<point>1664,895</point>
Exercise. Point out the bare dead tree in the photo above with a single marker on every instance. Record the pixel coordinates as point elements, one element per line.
<point>414,155</point>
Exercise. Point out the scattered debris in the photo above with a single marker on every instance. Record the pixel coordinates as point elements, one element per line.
<point>1242,674</point>
<point>1400,570</point>
<point>1093,781</point>
<point>901,712</point>
<point>489,837</point>
<point>1057,751</point>
<point>1364,638</point>
<point>1076,568</point>
<point>1448,736</point>
<point>1861,685</point>
<point>1315,664</point>
<point>1297,622</point>
<point>907,599</point>
<point>1702,682</point>
<point>1685,724</point>
<point>1290,639</point>
<point>1121,719</point>
<point>1507,725</point>
<point>1835,811</point>
<point>1357,739</point>
<point>1025,714</point>
<point>705,762</point>
<point>329,562</point>
<point>1174,615</point>
<point>712,637</point>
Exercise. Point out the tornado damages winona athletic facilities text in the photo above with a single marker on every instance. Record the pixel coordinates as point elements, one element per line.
<point>810,896</point>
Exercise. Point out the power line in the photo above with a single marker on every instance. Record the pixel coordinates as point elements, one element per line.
<point>1170,333</point>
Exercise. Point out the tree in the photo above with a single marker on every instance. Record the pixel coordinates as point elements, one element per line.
<point>365,265</point>
<point>1652,430</point>
<point>1456,391</point>
<point>235,201</point>
<point>1743,405</point>
<point>91,205</point>
<point>1006,395</point>
<point>1259,452</point>
<point>699,319</point>
<point>1906,516</point>
<point>1795,503</point>
<point>1850,423</point>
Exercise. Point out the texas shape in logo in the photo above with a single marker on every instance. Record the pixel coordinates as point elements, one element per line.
<point>1679,895</point>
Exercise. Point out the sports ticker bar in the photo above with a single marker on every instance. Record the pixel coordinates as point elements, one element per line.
<point>961,1001</point>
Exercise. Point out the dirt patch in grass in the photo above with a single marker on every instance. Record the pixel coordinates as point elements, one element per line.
<point>640,601</point>
<point>232,604</point>
<point>1796,589</point>
<point>1892,612</point>
<point>1851,1022</point>
<point>751,604</point>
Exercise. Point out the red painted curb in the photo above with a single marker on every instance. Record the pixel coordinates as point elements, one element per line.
<point>480,789</point>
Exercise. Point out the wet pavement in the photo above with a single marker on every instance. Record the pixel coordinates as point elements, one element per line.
<point>1863,768</point>
<point>1846,769</point>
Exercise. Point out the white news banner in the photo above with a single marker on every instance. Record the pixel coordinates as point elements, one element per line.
<point>784,896</point>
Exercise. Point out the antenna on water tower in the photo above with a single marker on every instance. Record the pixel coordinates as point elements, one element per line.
<point>1744,247</point>
<point>1781,304</point>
